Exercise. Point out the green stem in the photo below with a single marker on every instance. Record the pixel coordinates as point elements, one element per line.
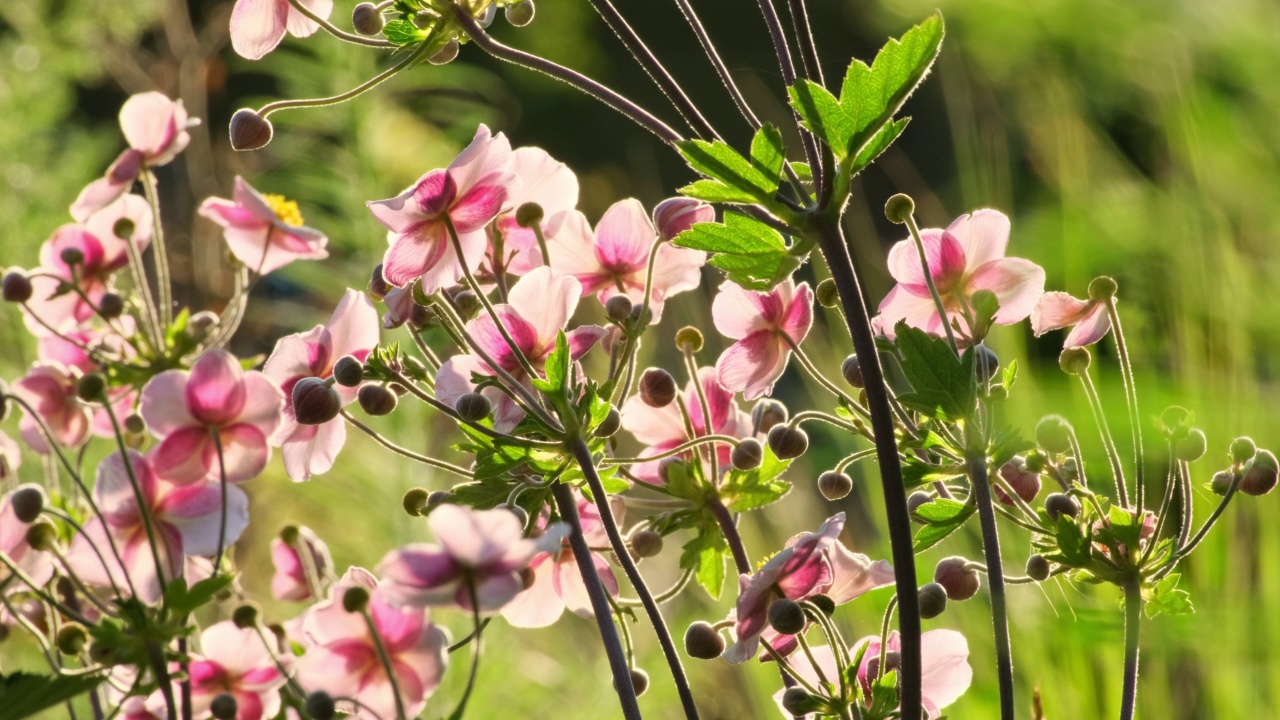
<point>385,659</point>
<point>1132,622</point>
<point>425,460</point>
<point>164,288</point>
<point>1108,443</point>
<point>1131,400</point>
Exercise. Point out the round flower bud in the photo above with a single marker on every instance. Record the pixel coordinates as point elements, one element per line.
<point>72,257</point>
<point>961,583</point>
<point>689,339</point>
<point>827,294</point>
<point>646,543</point>
<point>376,399</point>
<point>446,54</point>
<point>519,15</point>
<point>766,414</point>
<point>834,485</point>
<point>1260,475</point>
<point>123,228</point>
<point>986,361</point>
<point>1038,568</point>
<point>1101,288</point>
<point>641,315</point>
<point>916,499</point>
<point>72,638</point>
<point>799,702</point>
<point>676,215</point>
<point>224,707</point>
<point>618,308</point>
<point>473,407</point>
<point>1173,418</point>
<point>16,288</point>
<point>639,681</point>
<point>1191,447</point>
<point>529,214</point>
<point>1035,461</point>
<point>787,443</point>
<point>91,387</point>
<point>933,600</point>
<point>355,599</point>
<point>366,19</point>
<point>702,641</point>
<point>851,369</point>
<point>415,500</point>
<point>1053,433</point>
<point>747,455</point>
<point>898,208</point>
<point>249,130</point>
<point>348,371</point>
<point>1025,484</point>
<point>1074,361</point>
<point>110,305</point>
<point>1059,504</point>
<point>610,425</point>
<point>467,303</point>
<point>378,285</point>
<point>786,616</point>
<point>319,705</point>
<point>1221,482</point>
<point>245,616</point>
<point>823,603</point>
<point>42,535</point>
<point>314,401</point>
<point>1243,449</point>
<point>657,387</point>
<point>28,501</point>
<point>200,324</point>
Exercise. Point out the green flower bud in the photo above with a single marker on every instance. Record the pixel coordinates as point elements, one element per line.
<point>91,387</point>
<point>415,500</point>
<point>366,19</point>
<point>610,425</point>
<point>529,215</point>
<point>689,339</point>
<point>320,705</point>
<point>960,582</point>
<point>42,535</point>
<point>72,639</point>
<point>1053,433</point>
<point>1101,288</point>
<point>1038,568</point>
<point>747,455</point>
<point>473,407</point>
<point>851,369</point>
<point>646,543</point>
<point>348,371</point>
<point>1192,447</point>
<point>1221,482</point>
<point>224,707</point>
<point>823,603</point>
<point>1074,361</point>
<point>315,402</point>
<point>1173,418</point>
<point>110,305</point>
<point>933,600</point>
<point>28,501</point>
<point>799,702</point>
<point>827,293</point>
<point>1057,505</point>
<point>378,285</point>
<point>245,616</point>
<point>519,15</point>
<point>376,399</point>
<point>1243,449</point>
<point>899,208</point>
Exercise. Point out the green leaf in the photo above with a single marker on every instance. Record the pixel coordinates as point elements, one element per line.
<point>714,191</point>
<point>720,162</point>
<point>1010,374</point>
<point>1072,544</point>
<point>1167,599</point>
<point>871,96</point>
<point>753,489</point>
<point>767,154</point>
<point>706,554</point>
<point>751,253</point>
<point>557,369</point>
<point>25,694</point>
<point>943,386</point>
<point>916,472</point>
<point>403,32</point>
<point>181,600</point>
<point>884,695</point>
<point>821,113</point>
<point>876,146</point>
<point>943,517</point>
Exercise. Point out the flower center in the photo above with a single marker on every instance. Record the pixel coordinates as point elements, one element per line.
<point>286,210</point>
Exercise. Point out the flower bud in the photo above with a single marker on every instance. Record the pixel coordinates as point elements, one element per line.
<point>898,208</point>
<point>1260,474</point>
<point>519,15</point>
<point>664,468</point>
<point>72,257</point>
<point>641,315</point>
<point>1036,461</point>
<point>319,705</point>
<point>675,215</point>
<point>827,294</point>
<point>110,305</point>
<point>1058,505</point>
<point>249,130</point>
<point>747,455</point>
<point>786,616</point>
<point>473,407</point>
<point>415,500</point>
<point>834,485</point>
<point>529,214</point>
<point>933,600</point>
<point>1074,361</point>
<point>702,641</point>
<point>467,303</point>
<point>689,339</point>
<point>348,371</point>
<point>1221,482</point>
<point>16,288</point>
<point>200,324</point>
<point>355,599</point>
<point>224,707</point>
<point>1101,288</point>
<point>618,308</point>
<point>823,603</point>
<point>446,54</point>
<point>71,639</point>
<point>960,582</point>
<point>91,387</point>
<point>787,443</point>
<point>986,361</point>
<point>527,577</point>
<point>378,285</point>
<point>851,369</point>
<point>28,501</point>
<point>799,702</point>
<point>1025,484</point>
<point>245,616</point>
<point>657,388</point>
<point>366,19</point>
<point>610,425</point>
<point>314,401</point>
<point>42,535</point>
<point>1173,418</point>
<point>646,543</point>
<point>639,681</point>
<point>766,414</point>
<point>1053,433</point>
<point>376,399</point>
<point>1243,449</point>
<point>1191,447</point>
<point>1038,568</point>
<point>916,499</point>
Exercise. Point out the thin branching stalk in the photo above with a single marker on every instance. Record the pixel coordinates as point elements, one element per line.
<point>1130,401</point>
<point>978,481</point>
<point>384,442</point>
<point>928,278</point>
<point>1132,621</point>
<point>164,287</point>
<point>1108,443</point>
<point>336,32</point>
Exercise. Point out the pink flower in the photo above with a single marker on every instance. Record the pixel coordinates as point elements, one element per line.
<point>945,671</point>
<point>265,232</point>
<point>761,322</point>
<point>469,193</point>
<point>675,215</point>
<point>614,260</point>
<point>52,391</point>
<point>52,348</point>
<point>343,659</point>
<point>186,520</point>
<point>10,457</point>
<point>662,429</point>
<point>36,564</point>
<point>258,26</point>
<point>481,549</point>
<point>1089,320</point>
<point>156,129</point>
<point>235,661</point>
<point>290,580</point>
<point>187,409</point>
<point>557,582</point>
<point>966,257</point>
<point>541,304</point>
<point>352,330</point>
<point>547,182</point>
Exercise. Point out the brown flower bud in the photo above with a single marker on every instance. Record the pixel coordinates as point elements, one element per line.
<point>960,582</point>
<point>834,485</point>
<point>249,130</point>
<point>314,401</point>
<point>787,443</point>
<point>747,455</point>
<point>16,288</point>
<point>657,387</point>
<point>376,399</point>
<point>473,407</point>
<point>366,19</point>
<point>933,600</point>
<point>702,641</point>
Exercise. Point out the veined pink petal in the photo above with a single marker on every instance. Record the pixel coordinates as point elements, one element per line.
<point>945,254</point>
<point>798,316</point>
<point>492,592</point>
<point>215,391</point>
<point>257,26</point>
<point>415,252</point>
<point>752,365</point>
<point>738,312</point>
<point>983,234</point>
<point>263,403</point>
<point>448,270</point>
<point>353,327</point>
<point>292,357</point>
<point>316,453</point>
<point>106,190</point>
<point>196,512</point>
<point>1056,310</point>
<point>245,453</point>
<point>300,25</point>
<point>484,166</point>
<point>180,456</point>
<point>572,250</point>
<point>164,404</point>
<point>420,575</point>
<point>544,180</point>
<point>650,425</point>
<point>916,311</point>
<point>675,215</point>
<point>547,301</point>
<point>675,270</point>
<point>154,125</point>
<point>581,339</point>
<point>475,537</point>
<point>854,574</point>
<point>489,338</point>
<point>1017,284</point>
<point>574,590</point>
<point>540,605</point>
<point>102,225</point>
<point>1091,328</point>
<point>454,379</point>
<point>478,208</point>
<point>624,236</point>
<point>403,212</point>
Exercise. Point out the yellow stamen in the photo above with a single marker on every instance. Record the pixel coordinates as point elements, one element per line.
<point>286,210</point>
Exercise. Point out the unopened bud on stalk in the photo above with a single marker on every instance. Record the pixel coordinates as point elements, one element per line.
<point>1191,447</point>
<point>376,399</point>
<point>766,414</point>
<point>646,543</point>
<point>851,369</point>
<point>1173,418</point>
<point>1053,433</point>
<point>827,293</point>
<point>747,455</point>
<point>933,600</point>
<point>315,402</point>
<point>639,681</point>
<point>823,603</point>
<point>28,501</point>
<point>529,214</point>
<point>320,705</point>
<point>689,339</point>
<point>657,387</point>
<point>245,616</point>
<point>986,361</point>
<point>355,599</point>
<point>42,535</point>
<point>799,702</point>
<point>1058,505</point>
<point>916,499</point>
<point>378,285</point>
<point>788,443</point>
<point>960,582</point>
<point>72,257</point>
<point>898,208</point>
<point>348,371</point>
<point>446,54</point>
<point>416,500</point>
<point>703,642</point>
<point>224,707</point>
<point>200,324</point>
<point>467,303</point>
<point>618,308</point>
<point>1221,482</point>
<point>676,215</point>
<point>1074,361</point>
<point>16,287</point>
<point>473,407</point>
<point>1101,288</point>
<point>1260,475</point>
<point>1243,449</point>
<point>520,14</point>
<point>786,616</point>
<point>610,425</point>
<point>1038,568</point>
<point>834,485</point>
<point>249,130</point>
<point>366,19</point>
<point>91,387</point>
<point>110,305</point>
<point>71,639</point>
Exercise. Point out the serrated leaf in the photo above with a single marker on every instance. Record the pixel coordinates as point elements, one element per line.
<point>942,511</point>
<point>876,146</point>
<point>25,694</point>
<point>181,600</point>
<point>916,472</point>
<point>556,370</point>
<point>403,32</point>
<point>767,153</point>
<point>872,95</point>
<point>714,191</point>
<point>753,489</point>
<point>1166,599</point>
<point>706,555</point>
<point>751,253</point>
<point>942,385</point>
<point>1072,544</point>
<point>821,113</point>
<point>718,161</point>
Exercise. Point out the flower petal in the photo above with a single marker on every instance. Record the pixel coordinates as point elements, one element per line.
<point>257,26</point>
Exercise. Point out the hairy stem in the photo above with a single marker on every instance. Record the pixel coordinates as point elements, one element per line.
<point>1132,620</point>
<point>978,481</point>
<point>1130,401</point>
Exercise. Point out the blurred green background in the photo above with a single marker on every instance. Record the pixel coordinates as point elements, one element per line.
<point>1136,139</point>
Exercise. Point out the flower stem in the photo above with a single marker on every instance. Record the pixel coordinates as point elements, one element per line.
<point>334,31</point>
<point>568,508</point>
<point>928,278</point>
<point>150,317</point>
<point>1132,621</point>
<point>731,535</point>
<point>222,489</point>
<point>1108,443</point>
<point>425,460</point>
<point>701,440</point>
<point>164,287</point>
<point>356,91</point>
<point>978,481</point>
<point>476,647</point>
<point>385,659</point>
<point>1131,400</point>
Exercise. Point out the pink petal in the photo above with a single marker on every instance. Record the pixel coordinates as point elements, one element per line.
<point>544,180</point>
<point>1056,310</point>
<point>196,512</point>
<point>102,225</point>
<point>1017,283</point>
<point>448,271</point>
<point>675,215</point>
<point>675,270</point>
<point>582,339</point>
<point>945,254</point>
<point>215,389</point>
<point>104,191</point>
<point>854,574</point>
<point>454,379</point>
<point>475,537</point>
<point>300,25</point>
<point>154,125</point>
<point>1092,327</point>
<point>263,403</point>
<point>547,301</point>
<point>315,454</point>
<point>572,250</point>
<point>353,327</point>
<point>164,405</point>
<point>238,651</point>
<point>798,317</point>
<point>624,236</point>
<point>540,605</point>
<point>180,457</point>
<point>245,453</point>
<point>257,26</point>
<point>917,311</point>
<point>753,364</point>
<point>484,178</point>
<point>413,253</point>
<point>650,425</point>
<point>420,575</point>
<point>983,234</point>
<point>945,673</point>
<point>737,312</point>
<point>574,590</point>
<point>402,213</point>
